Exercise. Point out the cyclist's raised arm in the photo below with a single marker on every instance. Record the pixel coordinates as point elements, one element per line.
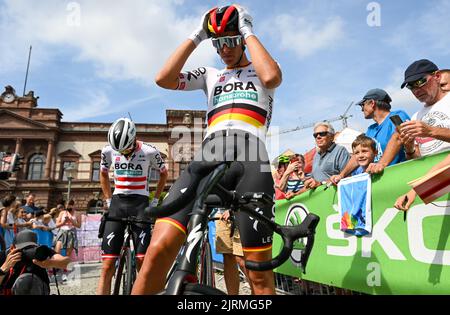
<point>157,162</point>
<point>168,76</point>
<point>267,69</point>
<point>104,174</point>
<point>161,183</point>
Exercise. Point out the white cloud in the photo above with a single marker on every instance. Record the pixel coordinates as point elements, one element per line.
<point>304,35</point>
<point>99,104</point>
<point>124,40</point>
<point>426,33</point>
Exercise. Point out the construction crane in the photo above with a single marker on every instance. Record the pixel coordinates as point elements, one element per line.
<point>344,117</point>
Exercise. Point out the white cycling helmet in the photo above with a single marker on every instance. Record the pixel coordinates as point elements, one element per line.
<point>122,134</point>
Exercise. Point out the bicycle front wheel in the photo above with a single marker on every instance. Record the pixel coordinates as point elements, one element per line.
<point>119,272</point>
<point>129,274</point>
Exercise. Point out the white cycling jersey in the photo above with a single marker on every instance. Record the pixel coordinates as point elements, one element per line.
<point>236,98</point>
<point>131,176</point>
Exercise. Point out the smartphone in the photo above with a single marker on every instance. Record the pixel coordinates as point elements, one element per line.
<point>396,120</point>
<point>403,204</point>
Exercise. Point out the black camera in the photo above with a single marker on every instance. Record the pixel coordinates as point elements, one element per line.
<point>39,253</point>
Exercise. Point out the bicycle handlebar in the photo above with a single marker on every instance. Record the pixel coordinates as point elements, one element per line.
<point>129,220</point>
<point>289,234</point>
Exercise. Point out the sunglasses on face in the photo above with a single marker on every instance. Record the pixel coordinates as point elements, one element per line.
<point>364,104</point>
<point>417,84</point>
<point>321,134</point>
<point>230,41</point>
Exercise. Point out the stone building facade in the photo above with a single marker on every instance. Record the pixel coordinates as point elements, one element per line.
<point>50,146</point>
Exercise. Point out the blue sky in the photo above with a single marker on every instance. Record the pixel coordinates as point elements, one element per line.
<point>96,60</point>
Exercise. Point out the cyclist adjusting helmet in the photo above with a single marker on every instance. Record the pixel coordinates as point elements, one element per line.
<point>132,161</point>
<point>240,100</point>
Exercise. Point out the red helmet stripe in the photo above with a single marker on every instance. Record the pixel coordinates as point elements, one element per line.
<point>212,15</point>
<point>225,18</point>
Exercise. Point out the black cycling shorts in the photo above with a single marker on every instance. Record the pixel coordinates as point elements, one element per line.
<point>124,206</point>
<point>249,173</point>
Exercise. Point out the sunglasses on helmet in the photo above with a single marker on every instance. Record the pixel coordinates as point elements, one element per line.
<point>230,41</point>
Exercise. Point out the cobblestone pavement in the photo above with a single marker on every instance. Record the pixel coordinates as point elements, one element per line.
<point>83,279</point>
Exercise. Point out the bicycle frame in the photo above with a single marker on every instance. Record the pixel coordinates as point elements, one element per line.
<point>129,244</point>
<point>205,239</point>
<point>187,266</point>
<point>206,178</point>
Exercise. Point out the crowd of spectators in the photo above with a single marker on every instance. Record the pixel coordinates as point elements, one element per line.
<point>383,144</point>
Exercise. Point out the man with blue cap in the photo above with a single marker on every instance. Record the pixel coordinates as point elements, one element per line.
<point>376,105</point>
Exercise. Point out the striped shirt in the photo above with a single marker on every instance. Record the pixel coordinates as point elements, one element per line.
<point>236,98</point>
<point>131,176</point>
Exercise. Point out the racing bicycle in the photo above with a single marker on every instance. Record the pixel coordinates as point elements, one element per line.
<point>126,269</point>
<point>208,194</point>
<point>205,267</point>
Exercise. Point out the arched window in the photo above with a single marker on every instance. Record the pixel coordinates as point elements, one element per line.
<point>36,167</point>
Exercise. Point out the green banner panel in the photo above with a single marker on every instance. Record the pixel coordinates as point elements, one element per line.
<point>409,256</point>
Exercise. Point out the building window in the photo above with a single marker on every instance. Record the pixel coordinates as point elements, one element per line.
<point>65,165</point>
<point>154,174</point>
<point>36,167</point>
<point>95,171</point>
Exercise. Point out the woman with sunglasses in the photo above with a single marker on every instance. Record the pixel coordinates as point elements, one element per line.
<point>240,99</point>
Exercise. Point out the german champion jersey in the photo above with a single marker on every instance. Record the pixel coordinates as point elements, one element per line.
<point>131,176</point>
<point>236,98</point>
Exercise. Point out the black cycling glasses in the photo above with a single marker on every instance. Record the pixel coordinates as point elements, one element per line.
<point>417,84</point>
<point>230,41</point>
<point>321,134</point>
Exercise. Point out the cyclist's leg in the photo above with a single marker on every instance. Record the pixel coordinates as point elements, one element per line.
<point>256,238</point>
<point>111,246</point>
<point>168,236</point>
<point>141,232</point>
<point>162,251</point>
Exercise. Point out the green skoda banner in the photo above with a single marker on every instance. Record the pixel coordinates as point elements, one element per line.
<point>409,256</point>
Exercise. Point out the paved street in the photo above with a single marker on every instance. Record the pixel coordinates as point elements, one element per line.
<point>83,279</point>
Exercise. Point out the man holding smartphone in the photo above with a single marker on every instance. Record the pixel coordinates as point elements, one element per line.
<point>376,105</point>
<point>428,132</point>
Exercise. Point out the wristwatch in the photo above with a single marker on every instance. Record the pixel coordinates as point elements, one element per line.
<point>3,273</point>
